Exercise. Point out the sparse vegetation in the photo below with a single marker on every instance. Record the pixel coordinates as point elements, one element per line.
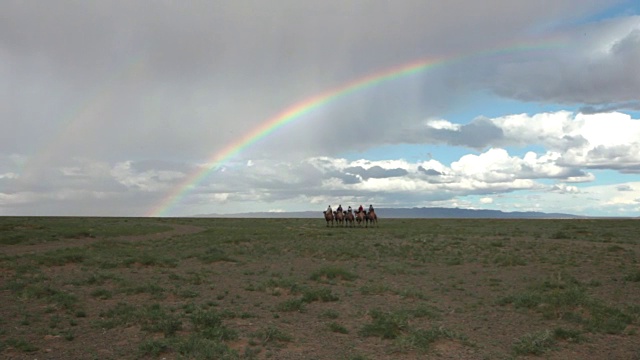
<point>276,288</point>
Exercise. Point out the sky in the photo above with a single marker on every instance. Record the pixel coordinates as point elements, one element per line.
<point>183,108</point>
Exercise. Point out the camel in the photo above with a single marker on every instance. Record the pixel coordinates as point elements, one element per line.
<point>360,217</point>
<point>339,215</point>
<point>371,217</point>
<point>349,218</point>
<point>328,216</point>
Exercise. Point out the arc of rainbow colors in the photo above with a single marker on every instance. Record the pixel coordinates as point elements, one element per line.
<point>298,110</point>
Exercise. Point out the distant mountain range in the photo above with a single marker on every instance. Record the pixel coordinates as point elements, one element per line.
<point>413,213</point>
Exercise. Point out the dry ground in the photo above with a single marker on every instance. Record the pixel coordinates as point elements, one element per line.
<point>114,288</point>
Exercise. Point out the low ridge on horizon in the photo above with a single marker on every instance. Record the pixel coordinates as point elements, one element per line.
<point>411,213</point>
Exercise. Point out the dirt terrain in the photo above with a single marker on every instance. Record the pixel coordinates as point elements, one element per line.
<point>110,288</point>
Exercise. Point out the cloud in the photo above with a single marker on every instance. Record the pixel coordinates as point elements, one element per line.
<point>613,107</point>
<point>478,134</point>
<point>565,189</point>
<point>573,141</point>
<point>595,68</point>
<point>429,172</point>
<point>168,80</point>
<point>612,141</point>
<point>486,200</point>
<point>375,172</point>
<point>624,187</point>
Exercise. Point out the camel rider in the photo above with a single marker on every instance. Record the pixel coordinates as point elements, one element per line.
<point>349,209</point>
<point>339,209</point>
<point>360,209</point>
<point>370,208</point>
<point>329,209</point>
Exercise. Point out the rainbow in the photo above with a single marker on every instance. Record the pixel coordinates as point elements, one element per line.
<point>298,110</point>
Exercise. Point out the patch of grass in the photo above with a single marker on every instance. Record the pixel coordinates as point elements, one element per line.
<point>154,318</point>
<point>277,285</point>
<point>357,357</point>
<point>454,260</point>
<point>309,295</point>
<point>209,324</point>
<point>421,339</point>
<point>559,235</point>
<point>62,257</point>
<point>214,254</point>
<point>198,347</point>
<point>330,314</point>
<point>424,310</point>
<point>272,334</point>
<point>68,335</point>
<point>536,343</point>
<point>155,260</point>
<point>563,297</point>
<point>633,277</point>
<point>320,294</point>
<point>569,335</point>
<point>13,239</point>
<point>21,344</point>
<point>509,260</point>
<point>332,273</point>
<point>121,314</point>
<point>337,328</point>
<point>386,325</point>
<point>154,347</point>
<point>410,293</point>
<point>292,305</point>
<point>59,298</point>
<point>96,278</point>
<point>187,293</point>
<point>156,291</point>
<point>374,289</point>
<point>102,294</point>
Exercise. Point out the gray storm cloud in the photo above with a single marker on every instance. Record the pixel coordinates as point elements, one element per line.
<point>171,80</point>
<point>598,66</point>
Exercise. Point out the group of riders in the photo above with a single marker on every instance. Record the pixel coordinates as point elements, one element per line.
<point>350,217</point>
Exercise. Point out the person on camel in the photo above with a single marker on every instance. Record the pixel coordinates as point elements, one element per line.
<point>339,209</point>
<point>360,209</point>
<point>329,209</point>
<point>370,208</point>
<point>349,209</point>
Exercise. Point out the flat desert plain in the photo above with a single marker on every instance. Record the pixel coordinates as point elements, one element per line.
<point>204,288</point>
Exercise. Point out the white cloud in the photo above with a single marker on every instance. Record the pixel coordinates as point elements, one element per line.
<point>150,181</point>
<point>486,200</point>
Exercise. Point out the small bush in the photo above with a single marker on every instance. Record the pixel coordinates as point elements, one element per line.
<point>272,334</point>
<point>335,327</point>
<point>534,343</point>
<point>102,294</point>
<point>154,347</point>
<point>208,323</point>
<point>330,314</point>
<point>570,335</point>
<point>386,325</point>
<point>292,305</point>
<point>633,277</point>
<point>22,345</point>
<point>323,294</point>
<point>332,273</point>
<point>421,339</point>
